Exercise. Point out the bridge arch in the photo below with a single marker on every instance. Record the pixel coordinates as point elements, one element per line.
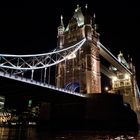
<point>73,86</point>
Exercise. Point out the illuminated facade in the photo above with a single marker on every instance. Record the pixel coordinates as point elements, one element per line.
<point>81,71</point>
<point>125,85</point>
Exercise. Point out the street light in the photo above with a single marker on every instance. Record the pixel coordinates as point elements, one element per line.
<point>106,89</point>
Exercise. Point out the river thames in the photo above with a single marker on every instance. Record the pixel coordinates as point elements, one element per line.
<point>31,133</point>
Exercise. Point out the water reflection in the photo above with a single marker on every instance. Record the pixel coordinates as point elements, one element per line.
<point>31,133</point>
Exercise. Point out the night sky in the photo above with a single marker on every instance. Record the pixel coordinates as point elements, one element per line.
<point>31,27</point>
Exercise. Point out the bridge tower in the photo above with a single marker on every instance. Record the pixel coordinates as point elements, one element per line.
<point>81,71</point>
<point>125,84</point>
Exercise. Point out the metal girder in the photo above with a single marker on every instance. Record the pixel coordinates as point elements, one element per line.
<point>112,59</point>
<point>38,61</point>
<point>106,71</point>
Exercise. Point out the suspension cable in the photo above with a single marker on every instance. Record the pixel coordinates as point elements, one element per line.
<point>38,61</point>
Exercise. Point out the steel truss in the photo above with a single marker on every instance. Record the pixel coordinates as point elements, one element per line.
<point>37,61</point>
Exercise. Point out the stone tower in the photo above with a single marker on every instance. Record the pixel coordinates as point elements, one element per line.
<point>81,72</point>
<point>125,83</point>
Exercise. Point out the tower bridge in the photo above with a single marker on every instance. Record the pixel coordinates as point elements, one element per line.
<point>77,63</point>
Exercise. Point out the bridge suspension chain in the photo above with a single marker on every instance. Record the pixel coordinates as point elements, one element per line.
<point>38,61</point>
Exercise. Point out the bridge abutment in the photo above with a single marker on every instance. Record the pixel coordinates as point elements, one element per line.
<point>96,112</point>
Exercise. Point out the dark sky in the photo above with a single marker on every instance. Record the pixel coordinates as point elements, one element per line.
<point>31,27</point>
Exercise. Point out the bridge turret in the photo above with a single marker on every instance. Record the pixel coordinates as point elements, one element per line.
<point>126,83</point>
<point>60,35</point>
<point>87,17</point>
<point>78,15</point>
<point>93,21</point>
<point>131,64</point>
<point>88,24</point>
<point>122,60</point>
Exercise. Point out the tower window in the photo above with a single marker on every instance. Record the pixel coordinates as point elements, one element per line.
<point>121,83</point>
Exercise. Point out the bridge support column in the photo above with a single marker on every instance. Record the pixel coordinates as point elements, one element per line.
<point>32,75</point>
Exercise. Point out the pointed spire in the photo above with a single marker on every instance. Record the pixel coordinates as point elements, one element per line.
<point>94,16</point>
<point>129,62</point>
<point>62,24</point>
<point>120,54</point>
<point>86,6</point>
<point>61,27</point>
<point>93,21</point>
<point>128,57</point>
<point>131,65</point>
<point>78,15</point>
<point>77,8</point>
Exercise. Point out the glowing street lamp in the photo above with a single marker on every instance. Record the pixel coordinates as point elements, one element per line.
<point>106,88</point>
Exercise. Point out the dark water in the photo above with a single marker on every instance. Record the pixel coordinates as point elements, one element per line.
<point>31,133</point>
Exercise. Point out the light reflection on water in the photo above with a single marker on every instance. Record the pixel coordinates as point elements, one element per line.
<point>31,133</point>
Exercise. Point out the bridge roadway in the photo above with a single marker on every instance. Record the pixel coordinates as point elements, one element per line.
<point>20,92</point>
<point>106,71</point>
<point>112,59</point>
<point>37,83</point>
